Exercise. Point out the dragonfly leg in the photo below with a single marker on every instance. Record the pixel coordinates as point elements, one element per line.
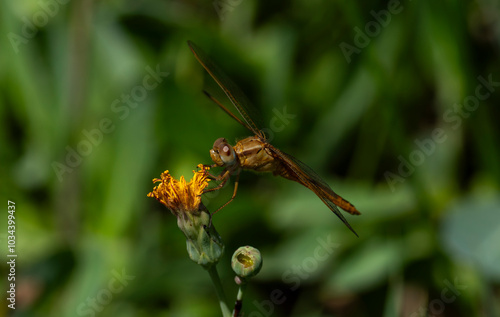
<point>209,174</point>
<point>213,177</point>
<point>210,166</point>
<point>224,177</point>
<point>234,193</point>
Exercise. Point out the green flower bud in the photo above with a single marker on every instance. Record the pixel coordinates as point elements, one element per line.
<point>204,244</point>
<point>246,262</point>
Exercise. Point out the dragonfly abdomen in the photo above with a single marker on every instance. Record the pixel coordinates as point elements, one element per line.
<point>284,171</point>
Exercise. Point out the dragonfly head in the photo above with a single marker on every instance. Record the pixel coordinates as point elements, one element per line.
<point>222,153</point>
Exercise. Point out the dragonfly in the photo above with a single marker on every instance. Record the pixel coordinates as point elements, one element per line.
<point>255,152</point>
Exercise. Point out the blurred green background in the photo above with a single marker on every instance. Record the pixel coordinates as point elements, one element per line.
<point>86,127</point>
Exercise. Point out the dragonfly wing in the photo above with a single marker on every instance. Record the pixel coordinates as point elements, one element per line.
<point>307,177</point>
<point>240,101</point>
<point>218,103</point>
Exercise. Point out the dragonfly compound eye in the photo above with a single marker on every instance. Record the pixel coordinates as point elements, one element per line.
<point>222,147</point>
<point>218,143</point>
<point>226,150</point>
<point>226,153</point>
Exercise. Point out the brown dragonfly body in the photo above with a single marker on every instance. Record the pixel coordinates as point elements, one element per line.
<point>256,153</point>
<point>253,154</point>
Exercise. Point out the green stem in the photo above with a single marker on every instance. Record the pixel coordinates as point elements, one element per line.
<point>239,300</point>
<point>218,289</point>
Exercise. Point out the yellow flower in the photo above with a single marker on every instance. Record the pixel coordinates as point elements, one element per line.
<point>204,245</point>
<point>179,196</point>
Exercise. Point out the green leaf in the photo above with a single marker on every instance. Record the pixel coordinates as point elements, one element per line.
<point>471,232</point>
<point>369,266</point>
